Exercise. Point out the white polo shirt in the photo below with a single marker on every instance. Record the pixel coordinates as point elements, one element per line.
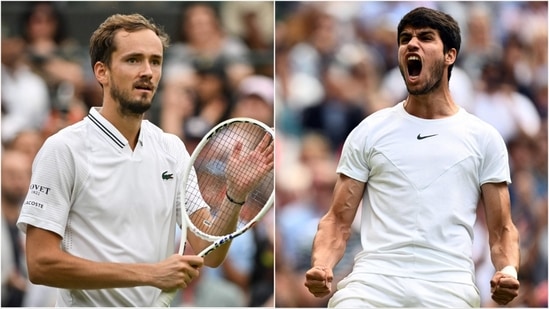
<point>423,179</point>
<point>107,202</point>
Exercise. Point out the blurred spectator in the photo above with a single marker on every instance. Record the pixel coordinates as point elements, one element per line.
<point>16,173</point>
<point>54,54</point>
<point>203,43</point>
<point>251,20</point>
<point>361,73</point>
<point>27,142</point>
<point>294,90</point>
<point>253,23</point>
<point>25,99</point>
<point>479,44</point>
<point>255,99</point>
<point>321,40</point>
<point>498,103</point>
<point>178,99</point>
<point>214,96</point>
<point>334,116</point>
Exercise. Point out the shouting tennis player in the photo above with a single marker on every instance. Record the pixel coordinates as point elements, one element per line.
<point>100,213</point>
<point>419,168</point>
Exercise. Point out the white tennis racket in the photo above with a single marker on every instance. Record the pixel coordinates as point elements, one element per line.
<point>205,181</point>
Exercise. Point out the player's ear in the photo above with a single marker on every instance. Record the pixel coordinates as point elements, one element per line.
<point>450,56</point>
<point>101,72</point>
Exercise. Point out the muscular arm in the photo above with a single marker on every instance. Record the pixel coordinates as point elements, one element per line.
<point>503,240</point>
<point>333,232</point>
<point>503,235</point>
<point>51,266</point>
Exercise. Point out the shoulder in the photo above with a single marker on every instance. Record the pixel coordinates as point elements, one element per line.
<point>71,137</point>
<point>476,124</point>
<point>482,132</point>
<point>380,118</point>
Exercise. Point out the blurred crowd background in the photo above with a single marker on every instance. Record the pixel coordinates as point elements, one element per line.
<point>336,63</point>
<point>333,63</point>
<point>219,65</point>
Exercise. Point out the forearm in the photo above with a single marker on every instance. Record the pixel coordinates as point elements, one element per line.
<point>49,265</point>
<point>66,271</point>
<point>503,235</point>
<point>218,256</point>
<point>334,229</point>
<point>228,216</point>
<point>505,250</point>
<point>330,242</point>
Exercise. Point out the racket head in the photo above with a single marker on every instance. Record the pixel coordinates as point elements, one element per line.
<point>204,179</point>
<point>203,184</point>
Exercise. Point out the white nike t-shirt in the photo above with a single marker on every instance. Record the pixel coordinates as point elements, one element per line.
<point>107,202</point>
<point>423,179</point>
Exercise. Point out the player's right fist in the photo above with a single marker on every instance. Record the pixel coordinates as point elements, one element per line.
<point>319,281</point>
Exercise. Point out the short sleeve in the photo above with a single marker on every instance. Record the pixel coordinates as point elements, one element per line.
<point>48,200</point>
<point>353,161</point>
<point>495,165</point>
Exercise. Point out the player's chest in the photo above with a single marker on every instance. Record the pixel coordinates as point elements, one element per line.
<point>422,156</point>
<point>127,183</point>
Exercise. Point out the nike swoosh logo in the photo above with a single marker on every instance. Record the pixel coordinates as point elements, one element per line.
<point>425,136</point>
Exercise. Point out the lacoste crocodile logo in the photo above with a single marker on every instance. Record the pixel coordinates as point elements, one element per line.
<point>419,137</point>
<point>167,176</point>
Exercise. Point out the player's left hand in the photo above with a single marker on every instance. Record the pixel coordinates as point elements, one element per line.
<point>258,161</point>
<point>504,288</point>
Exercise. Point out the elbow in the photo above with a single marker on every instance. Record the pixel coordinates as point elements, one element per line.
<point>41,269</point>
<point>36,272</point>
<point>36,279</point>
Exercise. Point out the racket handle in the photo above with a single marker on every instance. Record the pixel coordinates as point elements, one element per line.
<point>165,299</point>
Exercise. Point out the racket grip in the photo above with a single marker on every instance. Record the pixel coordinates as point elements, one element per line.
<point>165,299</point>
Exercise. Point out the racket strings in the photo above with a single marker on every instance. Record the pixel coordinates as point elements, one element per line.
<point>211,166</point>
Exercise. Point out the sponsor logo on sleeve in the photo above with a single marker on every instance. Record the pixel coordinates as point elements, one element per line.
<point>37,189</point>
<point>35,204</point>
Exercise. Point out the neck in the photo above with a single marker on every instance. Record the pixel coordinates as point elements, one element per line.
<point>433,105</point>
<point>128,125</point>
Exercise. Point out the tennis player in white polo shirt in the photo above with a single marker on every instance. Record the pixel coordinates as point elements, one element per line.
<point>419,168</point>
<point>101,211</point>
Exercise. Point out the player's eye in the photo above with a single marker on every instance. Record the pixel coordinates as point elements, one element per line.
<point>404,39</point>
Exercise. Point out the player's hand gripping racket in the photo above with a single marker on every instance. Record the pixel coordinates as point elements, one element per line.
<point>235,156</point>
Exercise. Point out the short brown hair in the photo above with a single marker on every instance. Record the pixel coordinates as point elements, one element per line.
<point>102,40</point>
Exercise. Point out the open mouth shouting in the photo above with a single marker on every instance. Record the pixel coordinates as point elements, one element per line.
<point>414,66</point>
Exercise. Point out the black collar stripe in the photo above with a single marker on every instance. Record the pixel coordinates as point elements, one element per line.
<point>106,131</point>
